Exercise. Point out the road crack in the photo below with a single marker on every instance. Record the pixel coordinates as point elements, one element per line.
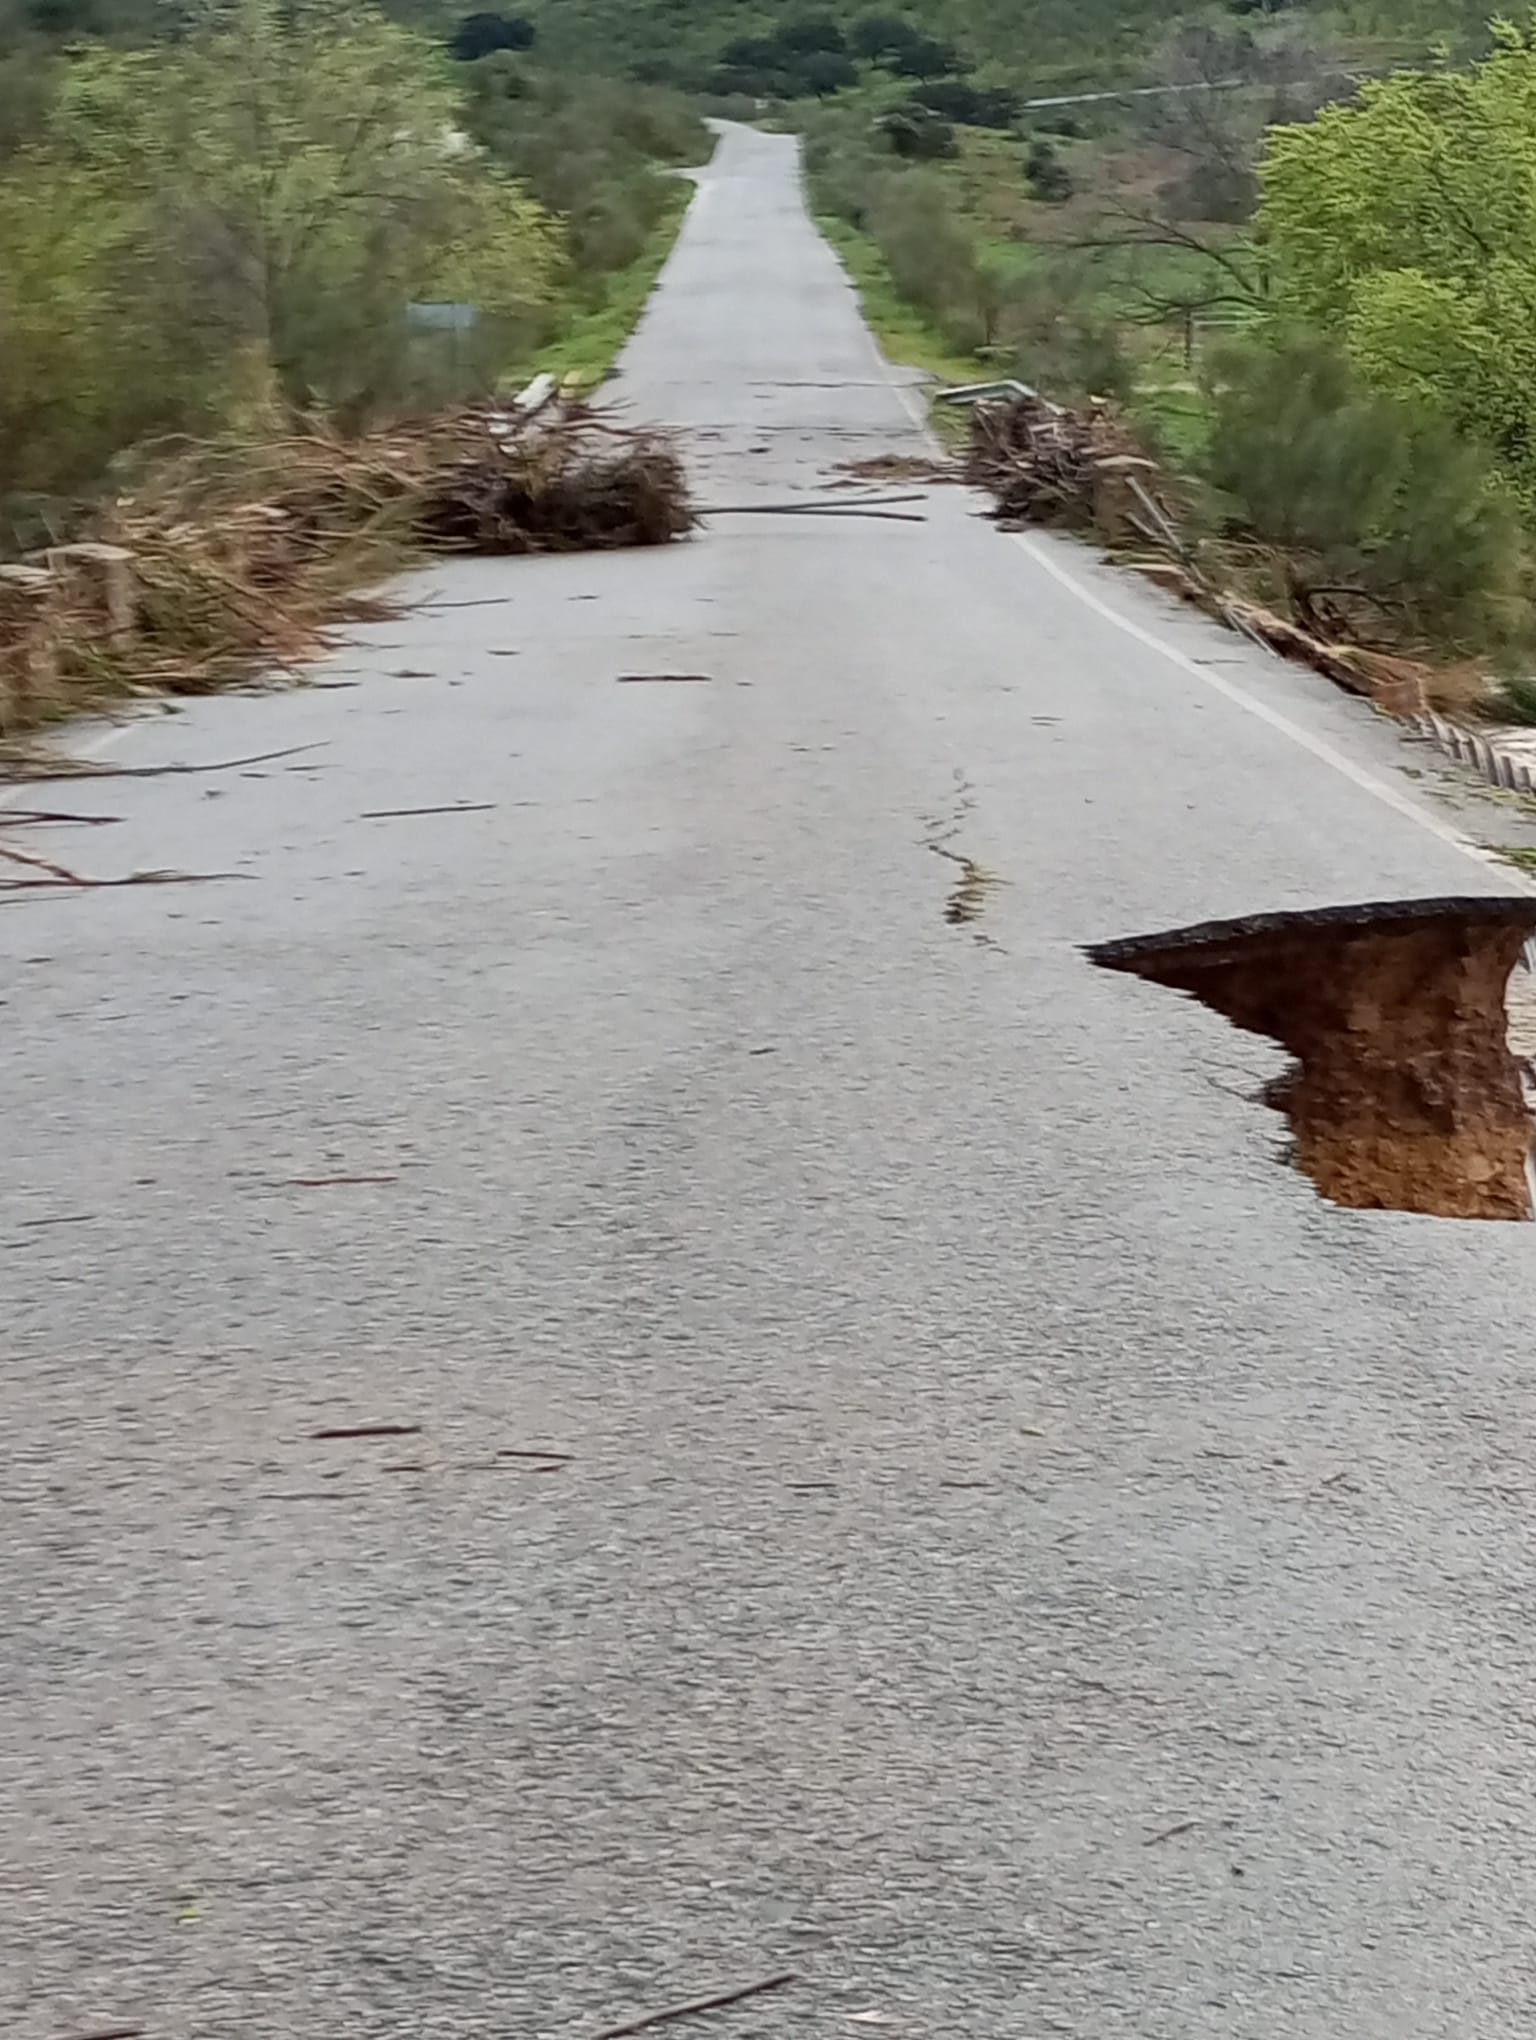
<point>966,899</point>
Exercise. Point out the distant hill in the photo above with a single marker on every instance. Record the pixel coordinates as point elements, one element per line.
<point>816,48</point>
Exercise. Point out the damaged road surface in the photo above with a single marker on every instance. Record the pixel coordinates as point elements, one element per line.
<point>1405,1095</point>
<point>633,1393</point>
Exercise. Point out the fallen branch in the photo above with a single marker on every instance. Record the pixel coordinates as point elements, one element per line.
<point>71,882</point>
<point>706,2004</point>
<point>859,506</point>
<point>814,510</point>
<point>461,807</point>
<point>368,1431</point>
<point>331,1182</point>
<point>1081,470</point>
<point>1180,1827</point>
<point>17,818</point>
<point>57,871</point>
<point>87,768</point>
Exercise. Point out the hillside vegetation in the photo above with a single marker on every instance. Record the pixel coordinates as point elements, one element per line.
<point>771,47</point>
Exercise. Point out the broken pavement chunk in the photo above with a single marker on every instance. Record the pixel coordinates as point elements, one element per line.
<point>1405,1096</point>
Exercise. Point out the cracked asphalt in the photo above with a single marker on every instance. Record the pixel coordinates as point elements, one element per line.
<point>1000,1547</point>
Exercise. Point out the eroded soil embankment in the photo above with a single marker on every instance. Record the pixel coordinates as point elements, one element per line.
<point>1405,1095</point>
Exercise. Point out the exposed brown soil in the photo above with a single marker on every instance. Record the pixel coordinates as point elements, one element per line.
<point>1405,1096</point>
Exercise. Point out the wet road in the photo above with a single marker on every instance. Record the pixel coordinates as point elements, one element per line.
<point>909,1488</point>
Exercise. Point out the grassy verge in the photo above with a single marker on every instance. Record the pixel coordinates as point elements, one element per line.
<point>903,332</point>
<point>595,336</point>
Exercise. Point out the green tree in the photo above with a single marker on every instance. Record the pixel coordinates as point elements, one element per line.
<point>1049,178</point>
<point>590,150</point>
<point>241,218</point>
<point>932,255</point>
<point>476,36</point>
<point>1406,227</point>
<point>1388,524</point>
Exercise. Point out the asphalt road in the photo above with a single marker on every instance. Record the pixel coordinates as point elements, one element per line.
<point>1016,1558</point>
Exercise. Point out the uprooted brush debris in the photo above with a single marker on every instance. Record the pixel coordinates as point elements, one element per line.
<point>1405,1095</point>
<point>1085,471</point>
<point>226,560</point>
<point>1042,464</point>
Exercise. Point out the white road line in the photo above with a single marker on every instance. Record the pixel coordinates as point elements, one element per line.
<point>1358,775</point>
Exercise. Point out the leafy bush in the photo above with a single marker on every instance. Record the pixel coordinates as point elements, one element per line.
<point>812,35</point>
<point>918,135</point>
<point>932,257</point>
<point>971,105</point>
<point>588,150</point>
<point>159,273</point>
<point>480,35</point>
<point>874,36</point>
<point>1049,178</point>
<point>923,56</point>
<point>805,59</point>
<point>1052,332</point>
<point>1383,513</point>
<point>1406,227</point>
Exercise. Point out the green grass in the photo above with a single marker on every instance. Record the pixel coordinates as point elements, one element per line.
<point>590,343</point>
<point>904,334</point>
<point>1178,419</point>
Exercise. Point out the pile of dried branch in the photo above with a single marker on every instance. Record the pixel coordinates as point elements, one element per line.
<point>1042,465</point>
<point>238,557</point>
<point>1083,471</point>
<point>1393,681</point>
<point>567,490</point>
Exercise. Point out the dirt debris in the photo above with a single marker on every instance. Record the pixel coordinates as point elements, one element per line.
<point>1405,1095</point>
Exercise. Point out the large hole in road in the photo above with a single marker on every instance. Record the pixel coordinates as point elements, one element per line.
<point>1405,1095</point>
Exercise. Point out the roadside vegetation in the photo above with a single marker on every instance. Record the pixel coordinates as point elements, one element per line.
<point>1295,256</point>
<point>1310,291</point>
<point>213,220</point>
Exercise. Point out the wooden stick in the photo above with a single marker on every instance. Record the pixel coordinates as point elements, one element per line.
<point>707,2004</point>
<point>458,807</point>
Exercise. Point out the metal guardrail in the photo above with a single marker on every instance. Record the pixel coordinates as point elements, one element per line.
<point>1470,747</point>
<point>536,396</point>
<point>982,392</point>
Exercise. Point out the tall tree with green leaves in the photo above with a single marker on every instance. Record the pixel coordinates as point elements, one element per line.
<point>1405,226</point>
<point>241,217</point>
